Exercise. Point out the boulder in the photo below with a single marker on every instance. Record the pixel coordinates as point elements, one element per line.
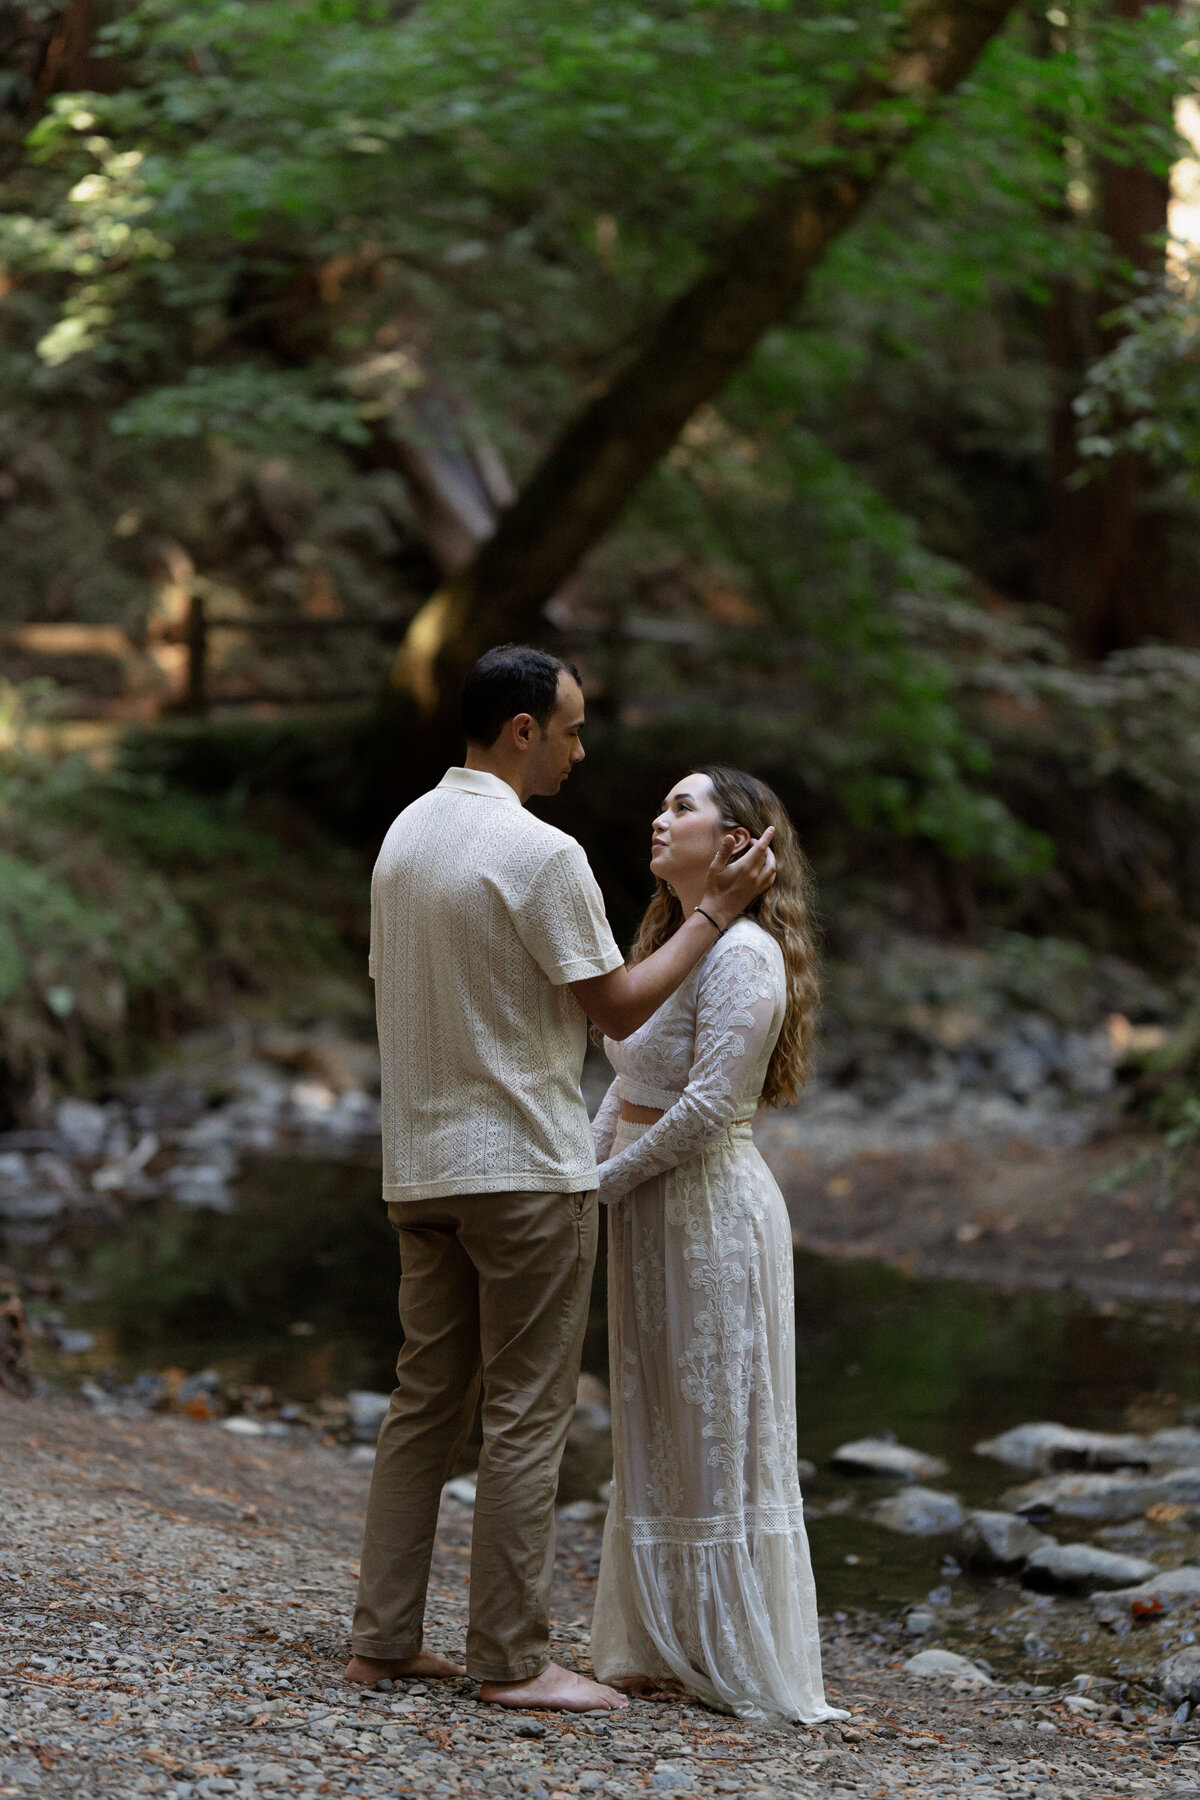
<point>1181,1487</point>
<point>1178,1443</point>
<point>1110,1498</point>
<point>946,1662</point>
<point>999,1540</point>
<point>1172,1588</point>
<point>1099,1687</point>
<point>584,1512</point>
<point>918,1512</point>
<point>1083,1568</point>
<point>1046,1447</point>
<point>31,1206</point>
<point>884,1456</point>
<point>1080,1706</point>
<point>82,1126</point>
<point>200,1186</point>
<point>367,1412</point>
<point>1178,1677</point>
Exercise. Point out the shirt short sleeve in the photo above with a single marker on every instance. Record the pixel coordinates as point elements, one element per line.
<point>561,921</point>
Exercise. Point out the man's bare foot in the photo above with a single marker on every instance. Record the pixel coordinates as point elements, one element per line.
<point>554,1690</point>
<point>426,1664</point>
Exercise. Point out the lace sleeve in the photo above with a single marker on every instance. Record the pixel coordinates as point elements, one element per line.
<point>605,1122</point>
<point>735,1009</point>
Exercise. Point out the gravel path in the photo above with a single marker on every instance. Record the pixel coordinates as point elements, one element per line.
<point>174,1616</point>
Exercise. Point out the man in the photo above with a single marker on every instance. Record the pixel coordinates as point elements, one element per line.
<point>489,945</point>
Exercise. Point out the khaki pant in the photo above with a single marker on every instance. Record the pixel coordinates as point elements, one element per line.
<point>492,1287</point>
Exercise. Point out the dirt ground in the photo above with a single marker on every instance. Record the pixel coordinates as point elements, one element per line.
<point>1011,1213</point>
<point>175,1609</point>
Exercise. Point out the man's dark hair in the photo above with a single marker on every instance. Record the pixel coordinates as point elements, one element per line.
<point>511,679</point>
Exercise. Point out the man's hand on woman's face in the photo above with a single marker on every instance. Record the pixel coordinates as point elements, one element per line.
<point>732,885</point>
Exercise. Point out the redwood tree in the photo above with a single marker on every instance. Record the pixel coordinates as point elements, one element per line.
<point>1106,562</point>
<point>756,278</point>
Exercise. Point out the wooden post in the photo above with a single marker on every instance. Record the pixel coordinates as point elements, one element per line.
<point>196,699</point>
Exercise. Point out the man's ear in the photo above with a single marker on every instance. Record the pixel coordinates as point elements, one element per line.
<point>523,727</point>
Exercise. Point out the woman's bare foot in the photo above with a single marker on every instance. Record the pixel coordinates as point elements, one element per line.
<point>647,1687</point>
<point>554,1690</point>
<point>426,1664</point>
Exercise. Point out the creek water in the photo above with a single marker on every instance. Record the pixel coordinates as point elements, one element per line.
<point>295,1289</point>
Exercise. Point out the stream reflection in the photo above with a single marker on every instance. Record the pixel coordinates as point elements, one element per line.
<point>295,1290</point>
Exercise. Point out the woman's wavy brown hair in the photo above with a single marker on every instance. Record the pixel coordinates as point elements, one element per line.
<point>786,911</point>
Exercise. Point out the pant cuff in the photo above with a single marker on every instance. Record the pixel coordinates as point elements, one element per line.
<point>385,1652</point>
<point>521,1672</point>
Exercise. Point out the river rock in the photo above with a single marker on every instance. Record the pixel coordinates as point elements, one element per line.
<point>1172,1588</point>
<point>1177,1443</point>
<point>367,1413</point>
<point>81,1125</point>
<point>884,1456</point>
<point>946,1662</point>
<point>999,1540</point>
<point>1181,1487</point>
<point>31,1206</point>
<point>1046,1447</point>
<point>1108,1497</point>
<point>200,1186</point>
<point>1083,1568</point>
<point>918,1512</point>
<point>1178,1677</point>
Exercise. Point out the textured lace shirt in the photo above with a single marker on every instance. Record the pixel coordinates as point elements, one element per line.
<point>481,914</point>
<point>702,1057</point>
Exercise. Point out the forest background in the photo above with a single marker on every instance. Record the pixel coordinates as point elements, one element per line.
<point>821,375</point>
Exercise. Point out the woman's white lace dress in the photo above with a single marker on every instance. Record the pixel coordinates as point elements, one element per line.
<point>705,1576</point>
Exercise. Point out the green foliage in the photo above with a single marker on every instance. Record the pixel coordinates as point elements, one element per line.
<point>262,409</point>
<point>290,219</point>
<point>1143,395</point>
<point>537,178</point>
<point>119,894</point>
<point>836,685</point>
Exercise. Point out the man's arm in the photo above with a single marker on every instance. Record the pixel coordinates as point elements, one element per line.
<point>625,998</point>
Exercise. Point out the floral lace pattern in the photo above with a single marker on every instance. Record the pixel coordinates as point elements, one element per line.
<point>706,1577</point>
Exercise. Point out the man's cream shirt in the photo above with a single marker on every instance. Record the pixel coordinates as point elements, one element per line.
<point>480,915</point>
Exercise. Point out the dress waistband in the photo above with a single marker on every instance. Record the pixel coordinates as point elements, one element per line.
<point>640,1093</point>
<point>740,1130</point>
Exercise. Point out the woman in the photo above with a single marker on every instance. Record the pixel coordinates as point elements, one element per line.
<point>705,1581</point>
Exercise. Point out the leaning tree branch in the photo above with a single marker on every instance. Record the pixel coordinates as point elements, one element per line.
<point>705,335</point>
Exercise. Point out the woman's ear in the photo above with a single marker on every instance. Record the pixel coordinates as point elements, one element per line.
<point>741,837</point>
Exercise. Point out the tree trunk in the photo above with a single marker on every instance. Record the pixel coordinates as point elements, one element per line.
<point>1107,564</point>
<point>600,460</point>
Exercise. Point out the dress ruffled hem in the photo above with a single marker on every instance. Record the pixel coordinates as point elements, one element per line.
<point>701,1617</point>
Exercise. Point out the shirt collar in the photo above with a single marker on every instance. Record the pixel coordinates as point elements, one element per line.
<point>478,781</point>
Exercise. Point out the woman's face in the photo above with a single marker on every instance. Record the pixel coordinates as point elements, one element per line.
<point>686,833</point>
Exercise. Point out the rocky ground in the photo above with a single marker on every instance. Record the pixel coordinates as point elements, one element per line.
<point>177,1584</point>
<point>1011,1211</point>
<point>175,1606</point>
